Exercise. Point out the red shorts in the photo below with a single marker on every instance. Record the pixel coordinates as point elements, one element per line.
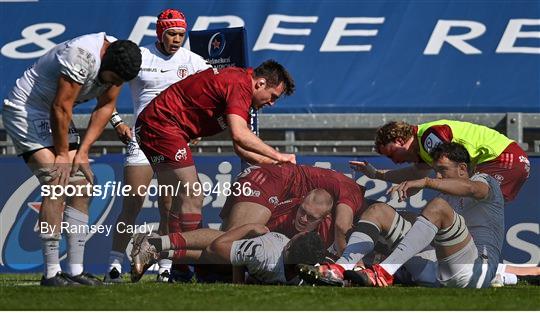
<point>165,147</point>
<point>511,169</point>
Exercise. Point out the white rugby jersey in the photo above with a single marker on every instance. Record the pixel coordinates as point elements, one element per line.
<point>484,218</point>
<point>262,256</point>
<point>159,71</point>
<point>78,58</point>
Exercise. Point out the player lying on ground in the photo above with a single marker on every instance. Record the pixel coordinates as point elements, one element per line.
<point>466,204</point>
<point>381,224</point>
<point>276,193</point>
<point>267,257</point>
<point>37,115</point>
<point>164,62</point>
<point>491,152</point>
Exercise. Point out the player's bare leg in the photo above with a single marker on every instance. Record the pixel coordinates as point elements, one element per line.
<point>75,214</point>
<point>185,213</point>
<point>246,213</point>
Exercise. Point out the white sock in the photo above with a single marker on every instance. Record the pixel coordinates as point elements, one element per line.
<point>164,265</point>
<point>49,246</point>
<point>115,260</point>
<point>419,236</point>
<point>358,246</point>
<point>76,240</point>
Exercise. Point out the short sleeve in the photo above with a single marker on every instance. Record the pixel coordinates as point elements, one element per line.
<point>76,63</point>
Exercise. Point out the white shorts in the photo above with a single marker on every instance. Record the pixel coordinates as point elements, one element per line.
<point>31,130</point>
<point>467,269</point>
<point>135,156</point>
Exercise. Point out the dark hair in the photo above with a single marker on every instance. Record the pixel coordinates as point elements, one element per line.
<point>307,248</point>
<point>122,57</point>
<point>275,73</point>
<point>453,151</point>
<point>392,131</point>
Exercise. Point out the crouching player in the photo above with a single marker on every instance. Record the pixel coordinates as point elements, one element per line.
<point>268,257</point>
<point>323,198</point>
<point>465,223</point>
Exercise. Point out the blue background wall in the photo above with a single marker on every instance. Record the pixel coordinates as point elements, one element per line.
<point>399,66</point>
<point>20,245</point>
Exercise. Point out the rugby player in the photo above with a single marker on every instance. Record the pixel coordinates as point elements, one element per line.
<point>163,63</point>
<point>201,105</point>
<point>465,223</point>
<point>491,152</point>
<point>37,115</point>
<point>275,188</point>
<point>268,257</point>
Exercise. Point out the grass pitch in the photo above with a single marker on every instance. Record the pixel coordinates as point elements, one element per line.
<point>22,292</point>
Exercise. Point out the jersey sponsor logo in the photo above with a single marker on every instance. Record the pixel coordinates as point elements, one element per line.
<point>499,177</point>
<point>216,45</point>
<point>527,164</point>
<point>181,154</point>
<point>165,71</point>
<point>43,128</point>
<point>254,193</point>
<point>431,142</point>
<point>248,248</point>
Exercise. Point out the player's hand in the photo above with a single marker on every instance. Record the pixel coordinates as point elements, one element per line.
<point>61,169</point>
<point>364,167</point>
<point>407,188</point>
<point>81,162</point>
<point>124,133</point>
<point>287,158</point>
<point>195,141</point>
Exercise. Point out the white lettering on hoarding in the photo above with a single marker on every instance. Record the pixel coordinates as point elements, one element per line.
<point>441,34</point>
<point>339,29</point>
<point>271,28</point>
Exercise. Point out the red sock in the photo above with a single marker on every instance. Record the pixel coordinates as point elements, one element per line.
<point>190,221</point>
<point>177,258</point>
<point>174,223</point>
<point>177,241</point>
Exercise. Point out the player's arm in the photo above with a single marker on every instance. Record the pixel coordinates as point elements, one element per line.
<point>343,222</point>
<point>101,114</point>
<point>396,176</point>
<point>252,157</point>
<point>245,139</point>
<point>461,187</point>
<point>60,118</point>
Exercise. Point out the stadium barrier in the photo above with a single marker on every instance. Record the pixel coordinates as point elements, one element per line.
<point>20,203</point>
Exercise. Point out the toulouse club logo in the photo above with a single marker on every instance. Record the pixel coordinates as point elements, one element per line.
<point>20,246</point>
<point>216,45</point>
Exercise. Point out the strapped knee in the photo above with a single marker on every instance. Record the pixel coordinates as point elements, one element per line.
<point>454,234</point>
<point>367,228</point>
<point>397,231</point>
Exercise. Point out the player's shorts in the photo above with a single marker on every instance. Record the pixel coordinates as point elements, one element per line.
<point>31,130</point>
<point>467,268</point>
<point>135,156</point>
<point>165,147</point>
<point>511,169</point>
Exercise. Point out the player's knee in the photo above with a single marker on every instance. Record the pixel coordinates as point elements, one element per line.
<point>437,209</point>
<point>456,233</point>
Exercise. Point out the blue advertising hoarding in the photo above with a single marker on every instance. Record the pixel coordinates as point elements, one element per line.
<point>346,56</point>
<point>20,203</point>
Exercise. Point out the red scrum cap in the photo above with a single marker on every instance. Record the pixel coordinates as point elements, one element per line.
<point>168,19</point>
